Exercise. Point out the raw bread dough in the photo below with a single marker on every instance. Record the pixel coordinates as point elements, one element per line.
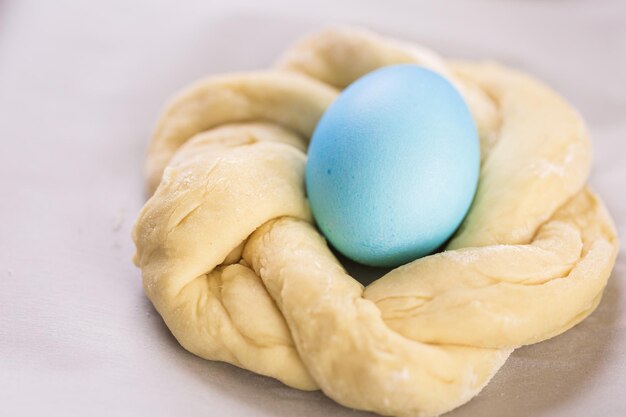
<point>232,263</point>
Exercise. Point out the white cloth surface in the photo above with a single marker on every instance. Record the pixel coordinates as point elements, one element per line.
<point>81,85</point>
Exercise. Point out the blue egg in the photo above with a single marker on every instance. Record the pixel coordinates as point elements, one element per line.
<point>393,166</point>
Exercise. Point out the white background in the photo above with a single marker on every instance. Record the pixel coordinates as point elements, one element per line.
<point>81,85</point>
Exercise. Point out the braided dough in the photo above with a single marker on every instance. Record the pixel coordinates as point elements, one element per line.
<point>233,264</point>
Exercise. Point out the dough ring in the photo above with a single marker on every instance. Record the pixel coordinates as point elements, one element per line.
<point>232,263</point>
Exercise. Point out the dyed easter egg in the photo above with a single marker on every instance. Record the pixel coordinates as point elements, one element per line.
<point>393,166</point>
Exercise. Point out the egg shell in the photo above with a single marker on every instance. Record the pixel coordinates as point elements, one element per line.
<point>393,166</point>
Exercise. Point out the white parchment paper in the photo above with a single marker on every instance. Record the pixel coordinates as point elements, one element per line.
<point>81,85</point>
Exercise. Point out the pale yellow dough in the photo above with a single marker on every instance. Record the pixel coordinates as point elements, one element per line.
<point>231,261</point>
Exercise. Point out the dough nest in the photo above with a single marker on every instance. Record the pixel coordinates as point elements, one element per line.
<point>232,262</point>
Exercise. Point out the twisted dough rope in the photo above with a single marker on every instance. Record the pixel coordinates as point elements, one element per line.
<point>230,260</point>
